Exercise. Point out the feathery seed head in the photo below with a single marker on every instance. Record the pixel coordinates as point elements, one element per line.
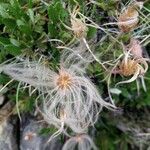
<point>68,89</point>
<point>77,96</point>
<point>80,142</point>
<point>76,57</point>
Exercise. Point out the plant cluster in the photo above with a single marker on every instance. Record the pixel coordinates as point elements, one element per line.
<point>57,54</point>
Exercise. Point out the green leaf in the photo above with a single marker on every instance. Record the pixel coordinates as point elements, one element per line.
<point>56,12</point>
<point>15,42</point>
<point>115,91</point>
<point>52,30</point>
<point>52,14</point>
<point>20,22</point>
<point>4,41</point>
<point>30,3</point>
<point>91,32</point>
<point>3,11</point>
<point>15,9</point>
<point>31,14</point>
<point>10,23</point>
<point>13,50</point>
<point>46,131</point>
<point>26,29</point>
<point>3,79</point>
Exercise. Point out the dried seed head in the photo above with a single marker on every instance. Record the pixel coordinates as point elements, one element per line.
<point>132,67</point>
<point>128,68</point>
<point>69,90</point>
<point>79,27</point>
<point>128,20</point>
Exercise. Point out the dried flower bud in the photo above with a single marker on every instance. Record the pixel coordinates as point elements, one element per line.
<point>135,48</point>
<point>79,28</point>
<point>128,67</point>
<point>128,20</point>
<point>78,25</point>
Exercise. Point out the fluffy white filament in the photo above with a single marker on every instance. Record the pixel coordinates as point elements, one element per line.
<point>67,90</point>
<point>80,142</point>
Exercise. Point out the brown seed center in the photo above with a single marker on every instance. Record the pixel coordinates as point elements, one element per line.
<point>64,81</point>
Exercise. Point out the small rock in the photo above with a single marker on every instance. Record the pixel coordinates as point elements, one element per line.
<point>7,128</point>
<point>32,140</point>
<point>7,138</point>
